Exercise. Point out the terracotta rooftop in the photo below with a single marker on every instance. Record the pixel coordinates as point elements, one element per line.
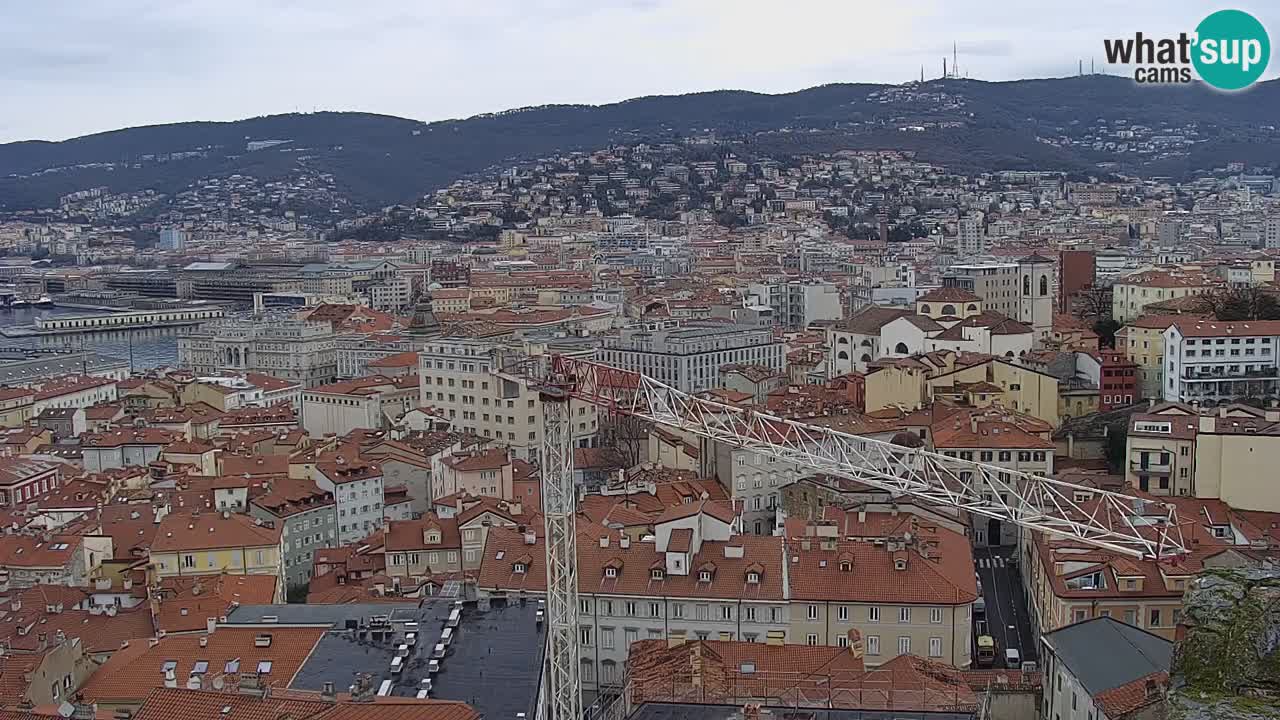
<point>133,672</point>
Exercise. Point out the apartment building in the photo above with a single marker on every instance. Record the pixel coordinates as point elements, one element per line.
<point>213,543</point>
<point>16,406</point>
<point>1160,450</point>
<point>994,440</point>
<point>428,547</point>
<point>479,387</point>
<point>798,303</point>
<point>694,578</point>
<point>355,351</point>
<point>905,584</point>
<point>488,472</point>
<point>368,403</point>
<point>1131,294</point>
<point>308,520</point>
<point>24,480</point>
<point>357,488</point>
<point>1069,581</point>
<point>300,351</point>
<point>1131,684</point>
<point>1210,361</point>
<point>1142,343</point>
<point>689,357</point>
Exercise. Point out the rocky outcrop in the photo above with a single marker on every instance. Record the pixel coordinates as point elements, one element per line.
<point>1227,664</point>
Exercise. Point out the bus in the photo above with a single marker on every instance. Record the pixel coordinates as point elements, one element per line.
<point>986,651</point>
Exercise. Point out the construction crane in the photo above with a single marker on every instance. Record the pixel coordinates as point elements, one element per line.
<point>1120,523</point>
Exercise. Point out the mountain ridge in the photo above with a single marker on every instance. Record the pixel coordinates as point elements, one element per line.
<point>998,123</point>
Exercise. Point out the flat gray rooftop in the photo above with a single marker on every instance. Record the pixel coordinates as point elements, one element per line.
<point>494,662</point>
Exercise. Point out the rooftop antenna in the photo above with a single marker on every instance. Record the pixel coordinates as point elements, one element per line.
<point>955,59</point>
<point>1081,70</point>
<point>944,68</point>
<point>1091,72</point>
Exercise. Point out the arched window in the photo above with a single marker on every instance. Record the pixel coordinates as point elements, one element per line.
<point>842,341</point>
<point>1009,354</point>
<point>1026,285</point>
<point>842,355</point>
<point>901,349</point>
<point>866,358</point>
<point>1044,285</point>
<point>972,307</point>
<point>948,309</point>
<point>924,309</point>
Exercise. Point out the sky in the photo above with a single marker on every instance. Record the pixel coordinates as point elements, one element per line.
<point>73,67</point>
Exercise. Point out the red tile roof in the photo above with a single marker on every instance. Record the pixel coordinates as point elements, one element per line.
<point>133,672</point>
<point>209,530</point>
<point>182,704</point>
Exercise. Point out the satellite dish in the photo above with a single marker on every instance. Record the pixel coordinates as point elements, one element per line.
<point>218,682</point>
<point>66,709</point>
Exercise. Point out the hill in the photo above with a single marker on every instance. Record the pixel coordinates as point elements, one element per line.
<point>379,159</point>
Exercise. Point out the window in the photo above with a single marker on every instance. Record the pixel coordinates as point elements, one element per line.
<point>813,612</point>
<point>749,613</point>
<point>873,614</point>
<point>631,608</point>
<point>630,635</point>
<point>935,647</point>
<point>655,609</point>
<point>606,638</point>
<point>811,639</point>
<point>935,615</point>
<point>873,644</point>
<point>904,645</point>
<point>677,610</point>
<point>1155,618</point>
<point>726,612</point>
<point>904,615</point>
<point>586,606</point>
<point>585,636</point>
<point>842,612</point>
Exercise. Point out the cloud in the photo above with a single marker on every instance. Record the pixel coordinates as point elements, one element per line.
<point>79,66</point>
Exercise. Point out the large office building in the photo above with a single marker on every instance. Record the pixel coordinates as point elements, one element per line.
<point>689,357</point>
<point>298,350</point>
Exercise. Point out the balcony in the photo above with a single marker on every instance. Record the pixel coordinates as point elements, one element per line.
<point>1248,375</point>
<point>1153,466</point>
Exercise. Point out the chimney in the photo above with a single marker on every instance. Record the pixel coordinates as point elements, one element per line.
<point>855,643</point>
<point>170,679</point>
<point>210,624</point>
<point>327,693</point>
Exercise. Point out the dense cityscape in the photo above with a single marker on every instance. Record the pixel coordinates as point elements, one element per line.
<point>695,429</point>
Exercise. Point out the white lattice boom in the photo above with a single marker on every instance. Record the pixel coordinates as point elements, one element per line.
<point>1108,520</point>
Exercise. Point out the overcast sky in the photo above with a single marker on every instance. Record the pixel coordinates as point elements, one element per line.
<point>72,67</point>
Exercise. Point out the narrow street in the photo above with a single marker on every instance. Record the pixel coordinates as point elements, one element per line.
<point>1008,620</point>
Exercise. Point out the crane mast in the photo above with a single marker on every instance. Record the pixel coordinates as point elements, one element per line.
<point>559,497</point>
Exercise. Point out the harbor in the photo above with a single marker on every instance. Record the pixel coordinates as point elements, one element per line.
<point>143,347</point>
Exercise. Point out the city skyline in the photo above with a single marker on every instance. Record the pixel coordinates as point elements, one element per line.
<point>80,69</point>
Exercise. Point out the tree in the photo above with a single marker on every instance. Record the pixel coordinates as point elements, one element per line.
<point>1248,303</point>
<point>627,435</point>
<point>1092,302</point>
<point>1106,329</point>
<point>1116,450</point>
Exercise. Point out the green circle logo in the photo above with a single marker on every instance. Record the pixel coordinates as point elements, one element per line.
<point>1232,49</point>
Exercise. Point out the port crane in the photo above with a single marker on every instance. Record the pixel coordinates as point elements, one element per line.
<point>1112,521</point>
